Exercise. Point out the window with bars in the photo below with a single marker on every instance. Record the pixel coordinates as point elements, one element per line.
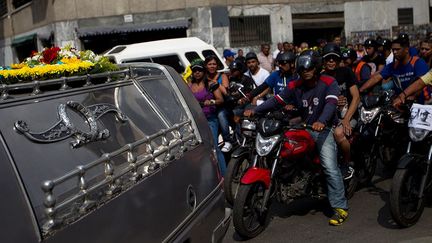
<point>3,7</point>
<point>19,3</point>
<point>249,30</point>
<point>405,16</point>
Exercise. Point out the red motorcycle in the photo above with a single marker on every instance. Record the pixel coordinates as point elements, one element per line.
<point>286,166</point>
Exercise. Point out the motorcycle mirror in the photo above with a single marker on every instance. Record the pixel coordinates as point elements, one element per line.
<point>213,87</point>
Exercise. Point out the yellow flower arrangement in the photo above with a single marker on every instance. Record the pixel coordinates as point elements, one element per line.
<point>54,63</point>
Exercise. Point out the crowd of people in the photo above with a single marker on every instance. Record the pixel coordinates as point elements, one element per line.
<point>324,85</point>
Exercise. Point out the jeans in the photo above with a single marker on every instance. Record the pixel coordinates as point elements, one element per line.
<point>214,127</point>
<point>222,115</point>
<point>327,148</point>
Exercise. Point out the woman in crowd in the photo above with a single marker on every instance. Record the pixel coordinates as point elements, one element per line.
<point>209,100</point>
<point>214,76</point>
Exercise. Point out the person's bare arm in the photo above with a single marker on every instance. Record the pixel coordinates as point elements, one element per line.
<point>376,77</point>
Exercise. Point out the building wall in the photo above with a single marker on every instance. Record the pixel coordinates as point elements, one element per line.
<point>379,15</point>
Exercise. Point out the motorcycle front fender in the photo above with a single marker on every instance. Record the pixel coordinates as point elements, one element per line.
<point>256,174</point>
<point>408,160</point>
<point>239,152</point>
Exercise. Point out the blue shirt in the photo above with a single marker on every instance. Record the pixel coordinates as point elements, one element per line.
<point>407,73</point>
<point>277,81</point>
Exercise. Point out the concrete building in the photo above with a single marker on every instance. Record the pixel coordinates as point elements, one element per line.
<point>28,25</point>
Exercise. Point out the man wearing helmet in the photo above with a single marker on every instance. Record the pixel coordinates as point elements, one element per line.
<point>372,58</point>
<point>361,71</point>
<point>277,80</point>
<point>384,49</point>
<point>316,97</point>
<point>240,85</point>
<point>406,68</point>
<point>348,102</point>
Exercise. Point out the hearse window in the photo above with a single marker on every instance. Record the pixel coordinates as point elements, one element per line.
<point>192,56</point>
<point>172,61</point>
<point>207,53</point>
<point>163,96</point>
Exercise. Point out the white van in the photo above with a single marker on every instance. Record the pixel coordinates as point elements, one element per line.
<point>177,53</point>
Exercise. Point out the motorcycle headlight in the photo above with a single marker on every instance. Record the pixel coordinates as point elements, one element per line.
<point>367,116</point>
<point>265,145</point>
<point>417,134</point>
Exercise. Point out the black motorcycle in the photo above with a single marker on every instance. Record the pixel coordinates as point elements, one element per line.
<point>240,159</point>
<point>412,180</point>
<point>381,135</point>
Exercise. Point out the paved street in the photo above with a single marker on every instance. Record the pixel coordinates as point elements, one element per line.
<point>370,221</point>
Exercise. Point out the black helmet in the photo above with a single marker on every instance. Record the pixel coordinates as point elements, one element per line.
<point>309,59</point>
<point>403,36</point>
<point>371,42</point>
<point>251,55</point>
<point>349,54</point>
<point>331,49</point>
<point>236,65</point>
<point>386,43</point>
<point>285,57</point>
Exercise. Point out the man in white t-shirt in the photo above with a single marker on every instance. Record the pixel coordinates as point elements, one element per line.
<point>258,74</point>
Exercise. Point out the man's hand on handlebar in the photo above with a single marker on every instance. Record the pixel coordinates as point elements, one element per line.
<point>318,126</point>
<point>289,107</point>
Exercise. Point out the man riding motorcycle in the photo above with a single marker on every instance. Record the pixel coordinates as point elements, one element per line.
<point>316,97</point>
<point>406,67</point>
<point>349,100</point>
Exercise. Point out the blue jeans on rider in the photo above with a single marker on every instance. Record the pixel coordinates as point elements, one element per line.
<point>214,127</point>
<point>327,148</point>
<point>222,115</point>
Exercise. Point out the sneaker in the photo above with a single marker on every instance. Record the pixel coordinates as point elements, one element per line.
<point>347,171</point>
<point>339,216</point>
<point>227,147</point>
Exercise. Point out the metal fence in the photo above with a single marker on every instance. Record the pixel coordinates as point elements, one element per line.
<point>249,30</point>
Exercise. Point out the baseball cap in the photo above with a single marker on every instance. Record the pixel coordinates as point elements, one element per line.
<point>197,64</point>
<point>228,53</point>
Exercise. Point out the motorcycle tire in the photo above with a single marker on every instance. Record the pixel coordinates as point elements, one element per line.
<point>405,183</point>
<point>366,166</point>
<point>248,219</point>
<point>235,170</point>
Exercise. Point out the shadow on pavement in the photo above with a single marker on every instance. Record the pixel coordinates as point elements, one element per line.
<point>299,207</point>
